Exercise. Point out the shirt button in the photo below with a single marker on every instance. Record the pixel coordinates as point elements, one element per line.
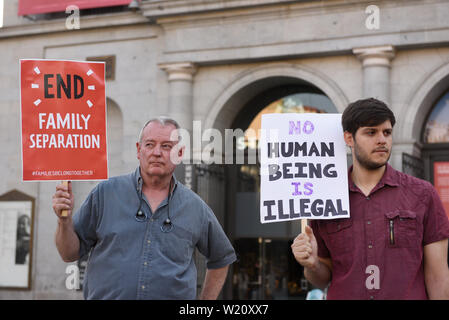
<point>368,222</point>
<point>370,246</point>
<point>148,241</point>
<point>143,287</point>
<point>368,198</point>
<point>145,263</point>
<point>371,297</point>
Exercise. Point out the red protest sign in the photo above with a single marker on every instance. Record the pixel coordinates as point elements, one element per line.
<point>63,118</point>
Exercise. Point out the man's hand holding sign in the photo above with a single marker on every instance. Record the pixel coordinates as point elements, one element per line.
<point>305,250</point>
<point>63,204</point>
<point>304,176</point>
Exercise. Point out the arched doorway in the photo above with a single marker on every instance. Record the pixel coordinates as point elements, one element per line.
<point>265,269</point>
<point>435,137</point>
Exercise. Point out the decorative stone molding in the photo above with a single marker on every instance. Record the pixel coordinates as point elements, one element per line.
<point>27,28</point>
<point>180,91</point>
<point>375,56</point>
<point>228,103</point>
<point>163,8</point>
<point>183,71</point>
<point>376,70</point>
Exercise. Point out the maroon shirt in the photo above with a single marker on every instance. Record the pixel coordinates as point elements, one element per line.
<point>388,229</point>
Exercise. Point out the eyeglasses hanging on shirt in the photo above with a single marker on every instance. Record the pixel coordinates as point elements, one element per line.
<point>141,216</point>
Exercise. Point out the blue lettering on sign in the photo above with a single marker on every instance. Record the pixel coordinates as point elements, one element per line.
<point>295,127</point>
<point>307,188</point>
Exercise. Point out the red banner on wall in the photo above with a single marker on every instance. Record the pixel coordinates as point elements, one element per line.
<point>441,180</point>
<point>63,118</point>
<point>46,6</point>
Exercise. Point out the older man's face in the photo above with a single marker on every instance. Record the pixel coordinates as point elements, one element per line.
<point>154,150</point>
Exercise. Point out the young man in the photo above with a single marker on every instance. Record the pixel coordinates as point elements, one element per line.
<point>141,229</point>
<point>395,244</point>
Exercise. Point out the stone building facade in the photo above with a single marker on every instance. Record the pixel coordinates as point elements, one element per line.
<point>219,63</point>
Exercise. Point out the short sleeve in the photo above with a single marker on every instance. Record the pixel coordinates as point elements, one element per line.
<point>214,244</point>
<point>323,251</point>
<point>85,221</point>
<point>436,222</point>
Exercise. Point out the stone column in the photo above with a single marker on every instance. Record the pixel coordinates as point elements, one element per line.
<point>180,107</point>
<point>376,71</point>
<point>376,62</point>
<point>180,79</point>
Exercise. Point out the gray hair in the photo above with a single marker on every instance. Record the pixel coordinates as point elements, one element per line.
<point>163,120</point>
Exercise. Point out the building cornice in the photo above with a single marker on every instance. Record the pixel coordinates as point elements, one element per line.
<point>86,23</point>
<point>333,27</point>
<point>167,8</point>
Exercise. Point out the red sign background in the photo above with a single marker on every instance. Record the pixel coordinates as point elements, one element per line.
<point>441,179</point>
<point>63,126</point>
<point>46,6</point>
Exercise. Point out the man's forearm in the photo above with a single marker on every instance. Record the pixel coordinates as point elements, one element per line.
<point>436,272</point>
<point>67,242</point>
<point>213,283</point>
<point>438,289</point>
<point>319,276</point>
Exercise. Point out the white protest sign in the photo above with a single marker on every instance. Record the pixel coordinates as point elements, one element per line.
<point>303,167</point>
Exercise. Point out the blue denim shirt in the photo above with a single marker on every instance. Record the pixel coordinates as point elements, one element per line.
<point>130,259</point>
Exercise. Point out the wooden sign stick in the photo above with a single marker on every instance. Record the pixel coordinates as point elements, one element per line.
<point>65,213</point>
<point>303,225</point>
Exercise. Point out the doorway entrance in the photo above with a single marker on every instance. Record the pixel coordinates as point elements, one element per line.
<point>266,268</point>
<point>436,148</point>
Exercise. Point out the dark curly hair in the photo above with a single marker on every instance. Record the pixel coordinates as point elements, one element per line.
<point>366,113</point>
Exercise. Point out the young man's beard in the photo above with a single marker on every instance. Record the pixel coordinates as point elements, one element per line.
<point>364,160</point>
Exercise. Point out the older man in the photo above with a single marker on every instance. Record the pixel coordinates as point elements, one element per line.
<point>141,229</point>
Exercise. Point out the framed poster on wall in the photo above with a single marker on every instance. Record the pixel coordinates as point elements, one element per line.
<point>16,240</point>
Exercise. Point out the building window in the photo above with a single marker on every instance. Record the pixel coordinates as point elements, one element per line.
<point>437,126</point>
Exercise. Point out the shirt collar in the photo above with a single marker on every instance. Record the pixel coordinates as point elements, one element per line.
<point>389,178</point>
<point>138,180</point>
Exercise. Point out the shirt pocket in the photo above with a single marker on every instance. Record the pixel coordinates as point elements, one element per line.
<point>401,229</point>
<point>177,244</point>
<point>340,238</point>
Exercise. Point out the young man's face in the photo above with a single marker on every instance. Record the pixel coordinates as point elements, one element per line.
<point>371,146</point>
